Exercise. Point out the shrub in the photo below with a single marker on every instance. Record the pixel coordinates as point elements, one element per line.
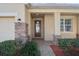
<point>7,48</point>
<point>30,49</point>
<point>76,43</point>
<point>64,42</point>
<point>68,42</point>
<point>10,48</point>
<point>68,45</point>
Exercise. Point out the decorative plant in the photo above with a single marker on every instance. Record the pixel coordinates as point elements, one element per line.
<point>7,48</point>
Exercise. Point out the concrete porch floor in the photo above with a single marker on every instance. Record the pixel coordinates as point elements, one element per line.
<point>44,47</point>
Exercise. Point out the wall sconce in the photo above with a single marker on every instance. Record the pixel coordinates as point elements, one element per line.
<point>19,19</point>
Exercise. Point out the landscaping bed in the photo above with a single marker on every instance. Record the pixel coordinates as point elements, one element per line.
<point>9,48</point>
<point>69,46</point>
<point>66,47</point>
<point>57,50</point>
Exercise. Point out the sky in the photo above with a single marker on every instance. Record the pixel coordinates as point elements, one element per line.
<point>39,1</point>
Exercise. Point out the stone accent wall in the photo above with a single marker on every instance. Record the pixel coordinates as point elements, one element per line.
<point>21,32</point>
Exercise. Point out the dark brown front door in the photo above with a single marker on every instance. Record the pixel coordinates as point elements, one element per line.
<point>37,28</point>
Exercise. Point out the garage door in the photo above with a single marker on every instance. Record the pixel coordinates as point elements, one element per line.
<point>7,31</point>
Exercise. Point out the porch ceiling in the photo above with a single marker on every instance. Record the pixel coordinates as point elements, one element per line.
<point>37,15</point>
<point>42,14</point>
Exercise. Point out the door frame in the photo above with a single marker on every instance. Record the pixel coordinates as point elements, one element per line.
<point>39,33</point>
<point>42,27</point>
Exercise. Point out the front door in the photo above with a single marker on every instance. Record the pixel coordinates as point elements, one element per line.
<point>37,28</point>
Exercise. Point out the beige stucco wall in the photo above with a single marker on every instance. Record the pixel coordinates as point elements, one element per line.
<point>28,20</point>
<point>49,26</point>
<point>73,33</point>
<point>54,10</point>
<point>19,9</point>
<point>78,24</point>
<point>32,27</point>
<point>57,23</point>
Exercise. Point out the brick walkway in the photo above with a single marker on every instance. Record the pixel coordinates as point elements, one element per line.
<point>45,48</point>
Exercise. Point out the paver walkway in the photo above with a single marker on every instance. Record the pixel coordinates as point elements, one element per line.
<point>45,48</point>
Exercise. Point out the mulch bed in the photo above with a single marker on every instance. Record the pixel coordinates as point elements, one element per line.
<point>60,52</point>
<point>57,50</point>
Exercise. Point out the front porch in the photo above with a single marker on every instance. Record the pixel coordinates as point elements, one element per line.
<point>50,24</point>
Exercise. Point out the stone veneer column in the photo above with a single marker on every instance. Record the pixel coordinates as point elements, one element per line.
<point>57,27</point>
<point>21,32</point>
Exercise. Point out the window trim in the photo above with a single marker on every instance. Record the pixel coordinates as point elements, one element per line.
<point>64,30</point>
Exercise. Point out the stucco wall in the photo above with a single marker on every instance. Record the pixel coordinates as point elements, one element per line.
<point>49,27</point>
<point>73,33</point>
<point>78,24</point>
<point>19,9</point>
<point>54,10</point>
<point>28,21</point>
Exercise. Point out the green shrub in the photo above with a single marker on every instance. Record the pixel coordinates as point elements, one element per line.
<point>64,42</point>
<point>76,43</point>
<point>68,42</point>
<point>30,49</point>
<point>7,48</point>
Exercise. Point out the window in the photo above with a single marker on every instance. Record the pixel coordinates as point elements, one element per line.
<point>68,25</point>
<point>62,25</point>
<point>65,24</point>
<point>37,27</point>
